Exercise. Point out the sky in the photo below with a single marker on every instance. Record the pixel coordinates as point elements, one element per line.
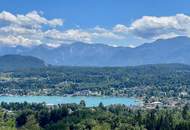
<point>113,22</point>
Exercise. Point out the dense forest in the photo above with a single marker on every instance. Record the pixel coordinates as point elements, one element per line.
<point>26,116</point>
<point>168,80</point>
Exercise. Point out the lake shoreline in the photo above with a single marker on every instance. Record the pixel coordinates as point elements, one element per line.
<point>90,100</point>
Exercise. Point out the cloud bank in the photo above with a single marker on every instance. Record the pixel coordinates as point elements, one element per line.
<point>150,27</point>
<point>34,29</point>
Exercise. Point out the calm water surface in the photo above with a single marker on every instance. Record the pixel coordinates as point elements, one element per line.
<point>54,100</point>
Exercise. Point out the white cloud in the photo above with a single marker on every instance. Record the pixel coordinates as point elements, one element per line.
<point>35,17</point>
<point>17,30</point>
<point>31,19</point>
<point>28,29</point>
<point>151,27</point>
<point>18,40</point>
<point>131,46</point>
<point>99,32</point>
<point>6,16</point>
<point>34,29</point>
<point>71,35</point>
<point>120,28</point>
<point>77,35</point>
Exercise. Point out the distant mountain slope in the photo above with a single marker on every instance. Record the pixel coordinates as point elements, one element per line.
<point>175,50</point>
<point>15,62</point>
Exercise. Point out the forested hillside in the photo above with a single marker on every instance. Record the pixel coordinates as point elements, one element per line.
<point>153,80</point>
<point>16,62</point>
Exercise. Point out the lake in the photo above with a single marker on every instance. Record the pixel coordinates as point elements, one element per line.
<point>54,100</point>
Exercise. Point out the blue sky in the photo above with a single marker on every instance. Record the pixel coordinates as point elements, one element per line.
<point>98,18</point>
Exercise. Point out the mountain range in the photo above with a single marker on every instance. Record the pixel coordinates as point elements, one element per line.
<point>174,50</point>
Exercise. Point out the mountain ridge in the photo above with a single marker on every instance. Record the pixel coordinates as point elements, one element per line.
<point>173,50</point>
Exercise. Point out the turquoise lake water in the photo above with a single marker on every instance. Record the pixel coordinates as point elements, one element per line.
<point>54,100</point>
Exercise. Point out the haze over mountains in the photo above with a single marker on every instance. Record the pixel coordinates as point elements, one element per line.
<point>175,50</point>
